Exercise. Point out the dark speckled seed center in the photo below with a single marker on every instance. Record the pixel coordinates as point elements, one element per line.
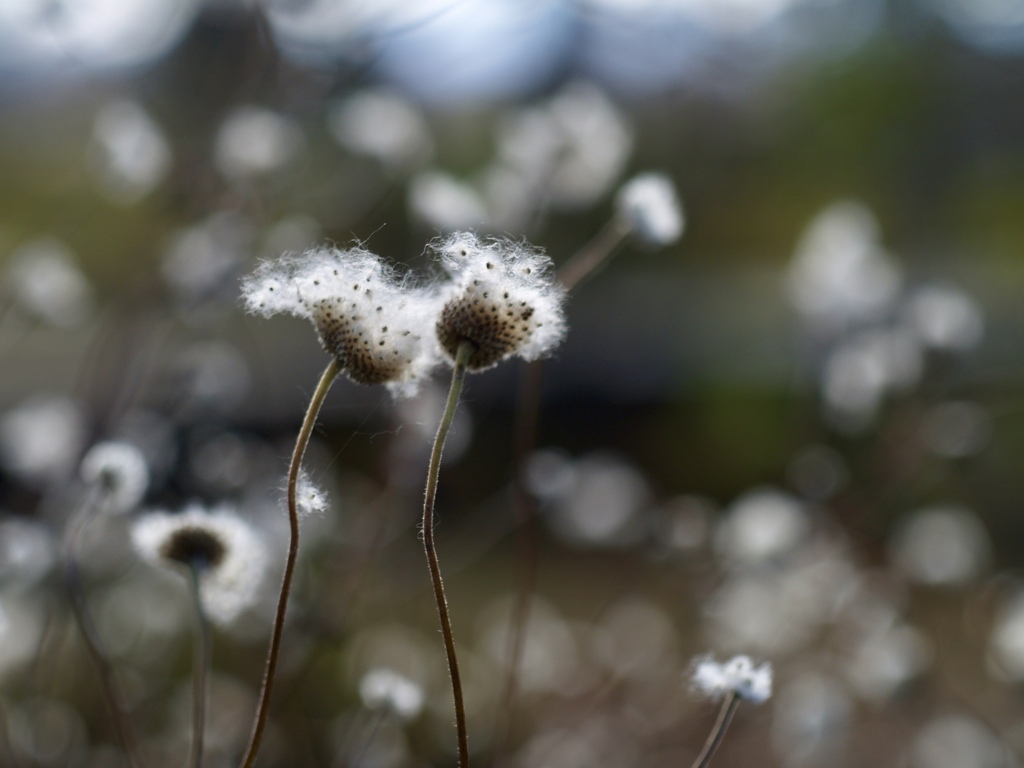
<point>344,333</point>
<point>196,547</point>
<point>495,327</point>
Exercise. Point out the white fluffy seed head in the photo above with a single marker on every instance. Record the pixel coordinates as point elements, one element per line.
<point>119,471</point>
<point>503,299</point>
<point>372,322</point>
<point>224,549</point>
<point>739,675</point>
<point>649,205</point>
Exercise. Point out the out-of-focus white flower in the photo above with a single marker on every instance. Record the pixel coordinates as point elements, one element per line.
<point>226,552</point>
<point>378,328</point>
<point>129,154</point>
<point>596,141</point>
<point>27,552</point>
<point>941,545</point>
<point>1006,643</point>
<point>601,502</point>
<point>119,472</point>
<point>649,206</point>
<point>384,125</point>
<point>761,525</point>
<point>812,716</point>
<point>739,675</point>
<point>886,659</point>
<point>204,257</point>
<point>840,275</point>
<point>954,741</point>
<point>863,369</point>
<point>40,439</point>
<point>45,281</point>
<point>440,200</point>
<point>386,688</point>
<point>503,298</point>
<point>254,141</point>
<point>945,318</point>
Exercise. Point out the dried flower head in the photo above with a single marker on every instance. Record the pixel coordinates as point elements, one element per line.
<point>649,206</point>
<point>503,299</point>
<point>118,470</point>
<point>365,316</point>
<point>225,551</point>
<point>738,675</point>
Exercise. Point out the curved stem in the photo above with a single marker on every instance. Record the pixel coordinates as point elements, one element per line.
<point>112,692</point>
<point>594,254</point>
<point>732,701</point>
<point>458,377</point>
<point>202,663</point>
<point>263,708</point>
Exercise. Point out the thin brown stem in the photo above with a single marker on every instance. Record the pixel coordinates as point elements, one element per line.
<point>201,673</point>
<point>274,652</point>
<point>458,377</point>
<point>725,715</point>
<point>112,692</point>
<point>594,254</point>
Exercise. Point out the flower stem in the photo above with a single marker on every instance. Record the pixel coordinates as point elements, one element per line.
<point>594,254</point>
<point>732,701</point>
<point>263,708</point>
<point>202,663</point>
<point>112,692</point>
<point>458,377</point>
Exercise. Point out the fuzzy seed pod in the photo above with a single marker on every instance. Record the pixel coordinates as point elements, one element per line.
<point>502,300</point>
<point>364,316</point>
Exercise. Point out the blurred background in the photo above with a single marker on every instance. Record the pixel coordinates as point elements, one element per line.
<point>794,433</point>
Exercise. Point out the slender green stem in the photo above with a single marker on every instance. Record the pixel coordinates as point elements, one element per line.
<point>112,692</point>
<point>458,377</point>
<point>274,652</point>
<point>201,675</point>
<point>725,715</point>
<point>594,254</point>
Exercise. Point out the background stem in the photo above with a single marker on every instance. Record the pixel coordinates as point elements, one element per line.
<point>200,676</point>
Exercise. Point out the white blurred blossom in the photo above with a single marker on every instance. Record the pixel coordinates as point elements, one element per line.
<point>943,545</point>
<point>812,715</point>
<point>40,439</point>
<point>45,281</point>
<point>129,154</point>
<point>384,125</point>
<point>118,471</point>
<point>945,318</point>
<point>386,688</point>
<point>762,525</point>
<point>441,201</point>
<point>254,141</point>
<point>840,274</point>
<point>956,741</point>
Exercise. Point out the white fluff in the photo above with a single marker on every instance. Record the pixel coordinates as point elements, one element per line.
<point>739,675</point>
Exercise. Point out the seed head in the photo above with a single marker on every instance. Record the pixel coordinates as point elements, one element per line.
<point>649,206</point>
<point>368,319</point>
<point>225,551</point>
<point>502,299</point>
<point>118,470</point>
<point>738,675</point>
